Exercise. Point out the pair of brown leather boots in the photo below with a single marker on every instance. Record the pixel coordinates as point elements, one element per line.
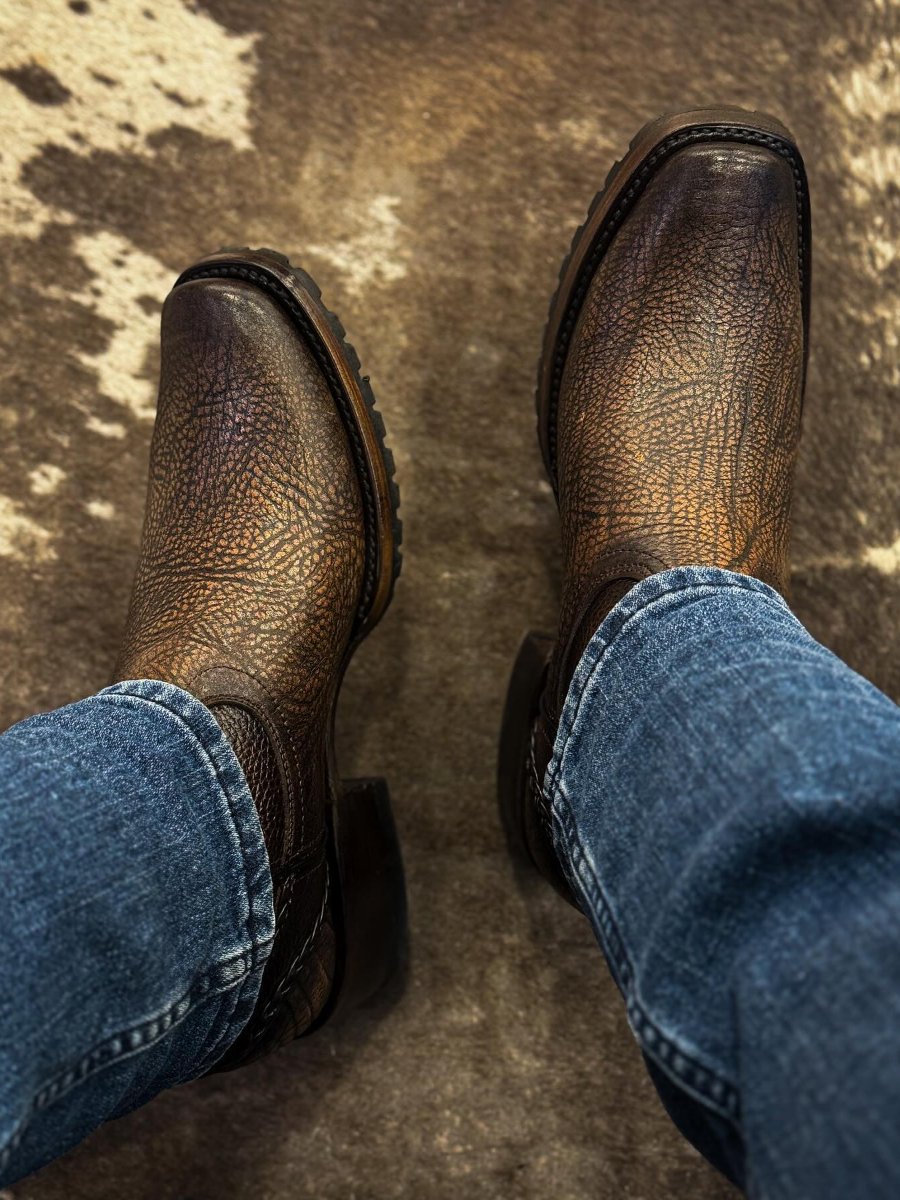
<point>669,407</point>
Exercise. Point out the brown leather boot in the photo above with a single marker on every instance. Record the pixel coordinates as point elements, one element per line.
<point>669,399</point>
<point>270,549</point>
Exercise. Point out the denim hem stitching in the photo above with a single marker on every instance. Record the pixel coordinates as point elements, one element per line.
<point>228,1033</point>
<point>115,1049</point>
<point>246,851</point>
<point>144,1036</point>
<point>683,1067</point>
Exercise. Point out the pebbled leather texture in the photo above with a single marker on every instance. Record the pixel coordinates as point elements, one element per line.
<point>252,743</point>
<point>678,417</point>
<point>249,578</point>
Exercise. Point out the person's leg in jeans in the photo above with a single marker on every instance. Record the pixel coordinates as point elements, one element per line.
<point>725,796</point>
<point>715,791</point>
<point>185,882</point>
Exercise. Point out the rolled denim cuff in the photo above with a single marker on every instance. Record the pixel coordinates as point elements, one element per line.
<point>233,837</point>
<point>137,907</point>
<point>661,592</point>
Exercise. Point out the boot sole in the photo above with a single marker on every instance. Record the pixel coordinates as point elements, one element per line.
<point>627,179</point>
<point>364,857</point>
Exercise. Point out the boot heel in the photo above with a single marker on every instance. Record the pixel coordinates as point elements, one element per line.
<point>522,702</point>
<point>372,890</point>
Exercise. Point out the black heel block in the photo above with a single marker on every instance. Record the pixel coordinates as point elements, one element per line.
<point>372,892</point>
<point>522,701</point>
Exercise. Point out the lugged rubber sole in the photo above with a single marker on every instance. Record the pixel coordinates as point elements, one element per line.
<point>301,296</point>
<point>625,182</point>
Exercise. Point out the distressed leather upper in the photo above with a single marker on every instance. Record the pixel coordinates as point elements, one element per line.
<point>250,573</point>
<point>679,410</point>
<point>678,416</point>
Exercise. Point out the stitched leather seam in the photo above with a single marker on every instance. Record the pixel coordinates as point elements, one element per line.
<point>700,133</point>
<point>538,797</point>
<point>303,861</point>
<point>274,736</point>
<point>345,407</point>
<point>298,964</point>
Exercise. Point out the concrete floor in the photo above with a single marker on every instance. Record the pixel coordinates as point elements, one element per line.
<point>427,162</point>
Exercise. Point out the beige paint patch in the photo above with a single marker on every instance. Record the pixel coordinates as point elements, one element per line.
<point>101,509</point>
<point>119,77</point>
<point>124,276</point>
<point>22,538</point>
<point>373,254</point>
<point>45,479</point>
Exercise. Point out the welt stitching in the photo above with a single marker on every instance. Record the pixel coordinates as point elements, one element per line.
<point>267,283</point>
<point>638,183</point>
<point>693,1075</point>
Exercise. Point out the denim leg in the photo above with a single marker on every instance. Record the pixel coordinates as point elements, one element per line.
<point>135,911</point>
<point>726,801</point>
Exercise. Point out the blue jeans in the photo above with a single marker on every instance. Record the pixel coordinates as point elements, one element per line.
<point>723,792</point>
<point>726,801</point>
<point>135,911</point>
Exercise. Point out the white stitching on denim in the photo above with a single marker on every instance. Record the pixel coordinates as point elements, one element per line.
<point>695,1077</point>
<point>554,770</point>
<point>700,1080</point>
<point>138,1037</point>
<point>135,1038</point>
<point>707,1085</point>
